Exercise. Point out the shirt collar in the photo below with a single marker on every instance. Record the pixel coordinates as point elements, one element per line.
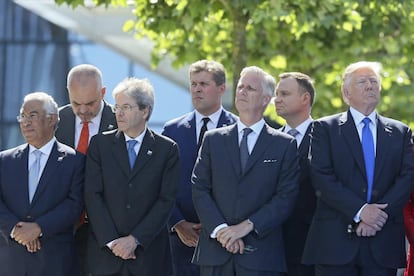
<point>214,117</point>
<point>256,127</point>
<point>46,149</point>
<point>302,128</point>
<point>358,116</point>
<point>139,138</point>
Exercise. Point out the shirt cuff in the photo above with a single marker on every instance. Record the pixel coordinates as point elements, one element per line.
<point>357,217</point>
<point>213,235</point>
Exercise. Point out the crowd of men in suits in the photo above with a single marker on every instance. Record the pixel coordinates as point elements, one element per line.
<point>94,191</point>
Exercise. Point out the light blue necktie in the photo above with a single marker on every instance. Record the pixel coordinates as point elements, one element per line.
<point>131,152</point>
<point>34,172</point>
<point>244,151</point>
<point>369,155</point>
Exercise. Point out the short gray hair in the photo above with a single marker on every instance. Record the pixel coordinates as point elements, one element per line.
<point>268,82</point>
<point>141,90</point>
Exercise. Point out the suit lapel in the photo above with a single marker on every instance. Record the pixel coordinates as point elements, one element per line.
<point>351,136</point>
<point>261,145</point>
<point>384,139</point>
<point>145,152</point>
<point>189,125</point>
<point>53,162</point>
<point>304,145</point>
<point>232,146</point>
<point>120,153</point>
<point>108,119</point>
<point>224,120</point>
<point>22,179</point>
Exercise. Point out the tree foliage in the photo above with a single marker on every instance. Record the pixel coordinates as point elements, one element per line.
<point>316,37</point>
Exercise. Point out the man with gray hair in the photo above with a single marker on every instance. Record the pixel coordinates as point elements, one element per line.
<point>362,168</point>
<point>130,188</point>
<point>41,185</point>
<point>245,183</point>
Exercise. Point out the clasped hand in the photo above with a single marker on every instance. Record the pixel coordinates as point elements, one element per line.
<point>27,234</point>
<point>124,247</point>
<point>373,218</point>
<point>230,237</point>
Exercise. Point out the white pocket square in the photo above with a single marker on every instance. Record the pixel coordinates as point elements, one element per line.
<point>269,160</point>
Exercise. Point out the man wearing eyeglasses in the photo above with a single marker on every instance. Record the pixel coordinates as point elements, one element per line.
<point>41,185</point>
<point>130,188</point>
<point>86,115</point>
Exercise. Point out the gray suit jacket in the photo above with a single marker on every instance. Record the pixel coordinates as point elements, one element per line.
<point>265,193</point>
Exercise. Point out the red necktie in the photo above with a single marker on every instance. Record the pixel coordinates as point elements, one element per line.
<point>84,138</point>
<point>83,147</point>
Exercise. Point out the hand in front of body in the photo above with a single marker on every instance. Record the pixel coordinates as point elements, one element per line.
<point>26,232</point>
<point>374,215</point>
<point>188,232</point>
<point>230,236</point>
<point>124,247</point>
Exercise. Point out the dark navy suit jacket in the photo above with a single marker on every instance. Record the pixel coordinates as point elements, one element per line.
<point>265,193</point>
<point>56,207</point>
<point>296,227</point>
<point>338,175</point>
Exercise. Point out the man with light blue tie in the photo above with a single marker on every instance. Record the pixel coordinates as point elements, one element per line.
<point>130,189</point>
<point>362,168</point>
<point>41,184</point>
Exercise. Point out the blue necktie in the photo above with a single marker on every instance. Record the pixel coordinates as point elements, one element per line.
<point>34,172</point>
<point>131,152</point>
<point>293,132</point>
<point>244,151</point>
<point>369,155</point>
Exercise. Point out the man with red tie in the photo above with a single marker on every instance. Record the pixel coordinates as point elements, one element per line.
<point>86,115</point>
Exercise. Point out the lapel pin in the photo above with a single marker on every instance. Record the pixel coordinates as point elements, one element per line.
<point>149,152</point>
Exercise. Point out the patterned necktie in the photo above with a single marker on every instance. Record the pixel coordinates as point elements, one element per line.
<point>244,151</point>
<point>293,132</point>
<point>83,139</point>
<point>131,152</point>
<point>369,155</point>
<point>34,172</point>
<point>202,131</point>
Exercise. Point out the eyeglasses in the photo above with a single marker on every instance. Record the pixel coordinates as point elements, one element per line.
<point>124,108</point>
<point>32,117</point>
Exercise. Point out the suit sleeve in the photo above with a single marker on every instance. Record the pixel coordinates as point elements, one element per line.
<point>94,196</point>
<point>204,203</point>
<point>176,214</point>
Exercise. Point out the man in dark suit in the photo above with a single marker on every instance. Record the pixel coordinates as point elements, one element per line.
<point>362,168</point>
<point>128,202</point>
<point>243,195</point>
<point>295,95</point>
<point>86,95</point>
<point>41,186</point>
<point>207,86</point>
<point>86,115</point>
